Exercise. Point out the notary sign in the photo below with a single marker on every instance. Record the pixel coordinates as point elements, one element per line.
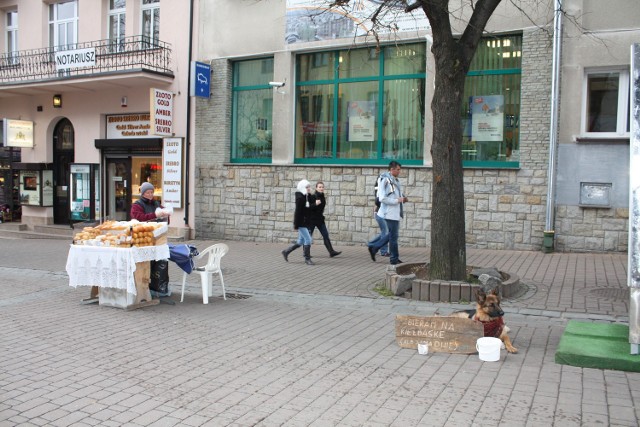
<point>443,334</point>
<point>76,58</point>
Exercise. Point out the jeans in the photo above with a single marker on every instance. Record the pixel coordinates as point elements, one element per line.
<point>384,230</point>
<point>394,229</point>
<point>392,239</point>
<point>304,238</point>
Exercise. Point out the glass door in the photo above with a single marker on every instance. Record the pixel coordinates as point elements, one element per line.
<point>118,189</point>
<point>63,156</point>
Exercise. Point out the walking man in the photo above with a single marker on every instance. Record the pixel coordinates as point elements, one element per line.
<point>391,210</point>
<point>384,251</point>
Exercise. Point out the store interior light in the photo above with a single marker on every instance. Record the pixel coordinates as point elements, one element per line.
<point>57,101</point>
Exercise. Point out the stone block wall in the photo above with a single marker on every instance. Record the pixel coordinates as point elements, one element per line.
<point>581,229</point>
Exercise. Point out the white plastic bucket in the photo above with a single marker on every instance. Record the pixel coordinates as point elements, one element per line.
<point>488,349</point>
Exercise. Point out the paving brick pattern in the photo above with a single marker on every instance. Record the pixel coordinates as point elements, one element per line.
<point>311,346</point>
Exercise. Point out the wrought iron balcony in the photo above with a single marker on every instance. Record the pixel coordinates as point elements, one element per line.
<point>130,54</point>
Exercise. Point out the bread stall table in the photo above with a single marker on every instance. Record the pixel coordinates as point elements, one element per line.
<point>118,274</point>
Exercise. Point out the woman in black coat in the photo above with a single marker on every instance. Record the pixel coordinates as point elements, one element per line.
<point>317,219</point>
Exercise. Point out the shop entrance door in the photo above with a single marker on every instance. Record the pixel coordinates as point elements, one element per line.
<point>118,189</point>
<point>63,155</point>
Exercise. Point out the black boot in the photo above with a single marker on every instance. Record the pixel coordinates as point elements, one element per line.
<point>307,255</point>
<point>332,252</point>
<point>290,249</point>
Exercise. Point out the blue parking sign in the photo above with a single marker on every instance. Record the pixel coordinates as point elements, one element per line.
<point>200,79</point>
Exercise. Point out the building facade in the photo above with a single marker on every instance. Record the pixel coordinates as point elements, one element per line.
<point>100,89</point>
<point>310,94</point>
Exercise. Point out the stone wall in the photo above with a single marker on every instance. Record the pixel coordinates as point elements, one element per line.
<point>592,229</point>
<point>506,209</point>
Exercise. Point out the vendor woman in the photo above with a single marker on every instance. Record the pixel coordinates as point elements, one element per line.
<point>149,209</point>
<point>146,209</point>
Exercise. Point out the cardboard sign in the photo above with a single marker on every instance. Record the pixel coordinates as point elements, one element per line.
<point>442,334</point>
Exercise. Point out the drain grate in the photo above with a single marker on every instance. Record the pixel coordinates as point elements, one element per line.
<point>237,296</point>
<point>610,293</point>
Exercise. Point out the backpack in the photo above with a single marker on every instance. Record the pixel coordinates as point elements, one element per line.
<point>375,192</point>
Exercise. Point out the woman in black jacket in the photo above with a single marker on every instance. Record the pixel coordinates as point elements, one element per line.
<point>302,221</point>
<point>317,219</point>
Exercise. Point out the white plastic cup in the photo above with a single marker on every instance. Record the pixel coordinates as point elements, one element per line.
<point>423,348</point>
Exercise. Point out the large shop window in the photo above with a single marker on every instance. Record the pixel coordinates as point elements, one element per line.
<point>361,106</point>
<point>252,111</point>
<point>490,114</point>
<point>606,110</point>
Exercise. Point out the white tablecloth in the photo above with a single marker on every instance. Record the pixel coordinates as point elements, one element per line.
<point>107,267</point>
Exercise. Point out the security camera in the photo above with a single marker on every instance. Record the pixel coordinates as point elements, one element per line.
<point>276,84</point>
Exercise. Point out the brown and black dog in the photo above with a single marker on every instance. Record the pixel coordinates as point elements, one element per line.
<point>488,312</point>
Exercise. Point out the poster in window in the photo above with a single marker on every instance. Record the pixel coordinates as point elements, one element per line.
<point>487,118</point>
<point>29,188</point>
<point>361,116</point>
<point>47,188</point>
<point>30,183</point>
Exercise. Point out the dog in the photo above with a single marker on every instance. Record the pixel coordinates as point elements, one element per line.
<point>488,312</point>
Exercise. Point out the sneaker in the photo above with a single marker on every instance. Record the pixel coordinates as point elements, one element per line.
<point>397,262</point>
<point>387,255</point>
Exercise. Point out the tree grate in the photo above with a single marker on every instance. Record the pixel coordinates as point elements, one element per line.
<point>237,296</point>
<point>610,293</point>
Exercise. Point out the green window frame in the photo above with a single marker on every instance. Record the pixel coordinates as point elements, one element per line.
<point>490,113</point>
<point>361,106</point>
<point>252,111</point>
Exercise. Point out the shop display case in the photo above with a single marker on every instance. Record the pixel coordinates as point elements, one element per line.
<point>84,191</point>
<point>35,184</point>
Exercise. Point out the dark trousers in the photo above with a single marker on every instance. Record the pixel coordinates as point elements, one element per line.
<point>323,231</point>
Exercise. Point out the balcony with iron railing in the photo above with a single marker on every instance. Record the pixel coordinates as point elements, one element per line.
<point>110,57</point>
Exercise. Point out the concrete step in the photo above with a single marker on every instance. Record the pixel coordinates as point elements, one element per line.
<point>59,230</point>
<point>16,230</point>
<point>26,234</point>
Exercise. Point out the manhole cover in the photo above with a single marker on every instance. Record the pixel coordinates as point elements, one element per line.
<point>610,293</point>
<point>237,296</point>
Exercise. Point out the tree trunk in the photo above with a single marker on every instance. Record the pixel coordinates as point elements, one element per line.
<point>448,250</point>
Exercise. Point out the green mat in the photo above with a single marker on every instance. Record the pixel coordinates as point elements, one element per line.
<point>597,345</point>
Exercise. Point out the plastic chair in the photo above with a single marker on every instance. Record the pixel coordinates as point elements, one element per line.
<point>213,253</point>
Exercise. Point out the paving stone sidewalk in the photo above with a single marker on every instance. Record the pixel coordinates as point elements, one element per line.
<point>303,346</point>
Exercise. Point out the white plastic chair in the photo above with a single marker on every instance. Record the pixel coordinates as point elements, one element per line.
<point>213,253</point>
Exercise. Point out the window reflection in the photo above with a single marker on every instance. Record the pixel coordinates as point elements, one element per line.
<point>490,114</point>
<point>251,139</point>
<point>361,104</point>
